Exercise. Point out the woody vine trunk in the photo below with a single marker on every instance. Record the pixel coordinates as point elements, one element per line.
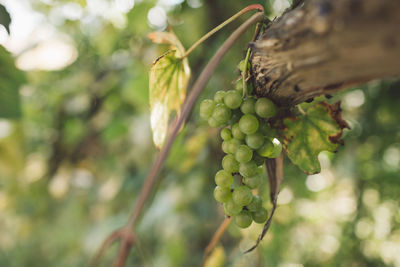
<point>322,46</point>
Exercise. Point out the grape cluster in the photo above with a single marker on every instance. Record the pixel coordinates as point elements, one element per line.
<point>247,142</point>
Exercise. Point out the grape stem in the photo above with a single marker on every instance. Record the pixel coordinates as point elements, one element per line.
<point>223,24</point>
<point>126,233</point>
<point>244,73</point>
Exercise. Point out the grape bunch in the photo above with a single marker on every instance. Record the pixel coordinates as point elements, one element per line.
<point>247,141</point>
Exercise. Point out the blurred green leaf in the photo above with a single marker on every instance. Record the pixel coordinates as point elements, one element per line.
<point>5,18</point>
<point>307,135</point>
<point>168,79</point>
<point>10,80</point>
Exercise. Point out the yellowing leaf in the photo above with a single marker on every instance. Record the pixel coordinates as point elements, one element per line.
<point>309,134</point>
<point>167,38</point>
<point>169,76</point>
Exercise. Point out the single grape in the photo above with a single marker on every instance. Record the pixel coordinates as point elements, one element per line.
<point>259,160</point>
<point>219,96</point>
<point>233,145</point>
<point>252,182</point>
<point>242,195</point>
<point>247,106</point>
<point>266,149</point>
<point>225,146</point>
<point>231,208</point>
<point>243,219</point>
<point>242,65</point>
<point>270,149</point>
<point>243,154</point>
<point>221,113</point>
<point>277,148</point>
<point>239,86</point>
<point>222,194</point>
<point>206,108</point>
<point>237,133</point>
<point>260,216</point>
<point>248,124</point>
<point>226,134</point>
<point>213,123</point>
<point>248,169</point>
<point>223,178</point>
<point>255,204</point>
<point>255,140</point>
<point>230,164</point>
<point>233,99</point>
<point>265,108</point>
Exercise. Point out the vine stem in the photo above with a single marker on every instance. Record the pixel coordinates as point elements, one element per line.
<point>216,237</point>
<point>244,73</point>
<point>223,24</point>
<point>126,235</point>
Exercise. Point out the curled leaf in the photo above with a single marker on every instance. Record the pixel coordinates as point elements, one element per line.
<point>305,136</point>
<point>167,38</point>
<point>169,76</point>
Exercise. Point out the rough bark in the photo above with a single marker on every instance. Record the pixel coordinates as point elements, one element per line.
<point>323,46</point>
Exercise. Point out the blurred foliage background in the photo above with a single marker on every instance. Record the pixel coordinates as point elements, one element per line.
<point>75,147</point>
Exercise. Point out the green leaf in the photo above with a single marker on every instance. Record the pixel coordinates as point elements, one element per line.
<point>168,79</point>
<point>307,135</point>
<point>10,80</point>
<point>5,18</point>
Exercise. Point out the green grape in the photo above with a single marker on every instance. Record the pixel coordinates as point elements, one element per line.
<point>266,149</point>
<point>248,124</point>
<point>233,99</point>
<point>247,106</point>
<point>213,123</point>
<point>230,164</point>
<point>237,133</point>
<point>243,219</point>
<point>206,108</point>
<point>259,160</point>
<point>219,96</point>
<point>265,108</point>
<point>243,154</point>
<point>252,182</point>
<point>226,134</point>
<point>233,145</point>
<point>221,113</point>
<point>242,195</point>
<point>231,208</point>
<point>242,65</point>
<point>255,140</point>
<point>277,148</point>
<point>248,169</point>
<point>225,146</point>
<point>255,204</point>
<point>270,149</point>
<point>222,194</point>
<point>260,216</point>
<point>223,178</point>
<point>239,86</point>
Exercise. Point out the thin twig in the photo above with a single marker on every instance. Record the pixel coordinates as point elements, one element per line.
<point>216,237</point>
<point>106,244</point>
<point>200,83</point>
<point>223,24</point>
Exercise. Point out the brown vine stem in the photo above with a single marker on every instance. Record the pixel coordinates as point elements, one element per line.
<point>216,237</point>
<point>126,236</point>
